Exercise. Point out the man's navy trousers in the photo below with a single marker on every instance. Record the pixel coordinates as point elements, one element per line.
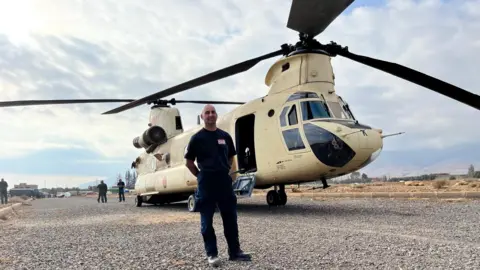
<point>216,189</point>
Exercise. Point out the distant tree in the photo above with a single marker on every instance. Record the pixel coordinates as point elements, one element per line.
<point>131,179</point>
<point>471,171</point>
<point>134,178</point>
<point>127,177</point>
<point>355,175</point>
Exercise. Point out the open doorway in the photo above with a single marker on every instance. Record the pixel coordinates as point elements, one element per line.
<point>245,142</point>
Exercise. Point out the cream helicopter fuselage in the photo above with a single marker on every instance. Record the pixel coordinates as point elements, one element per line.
<point>291,136</point>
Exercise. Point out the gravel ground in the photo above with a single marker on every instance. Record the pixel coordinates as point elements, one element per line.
<point>79,233</point>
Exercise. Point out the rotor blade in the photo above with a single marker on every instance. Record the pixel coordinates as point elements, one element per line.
<point>413,76</point>
<point>58,101</point>
<point>313,17</point>
<point>208,102</point>
<point>216,75</point>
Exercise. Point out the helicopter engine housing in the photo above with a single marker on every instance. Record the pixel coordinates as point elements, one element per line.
<point>152,136</point>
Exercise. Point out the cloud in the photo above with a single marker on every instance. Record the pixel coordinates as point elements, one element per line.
<point>129,49</point>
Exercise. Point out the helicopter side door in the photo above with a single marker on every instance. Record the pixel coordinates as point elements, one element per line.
<point>246,155</point>
<point>245,142</point>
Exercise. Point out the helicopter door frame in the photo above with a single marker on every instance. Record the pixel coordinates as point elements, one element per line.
<point>292,131</point>
<point>246,141</point>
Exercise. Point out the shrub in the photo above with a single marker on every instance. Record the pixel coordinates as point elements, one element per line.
<point>439,184</point>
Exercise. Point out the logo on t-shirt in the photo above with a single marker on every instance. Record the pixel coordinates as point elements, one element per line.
<point>221,141</point>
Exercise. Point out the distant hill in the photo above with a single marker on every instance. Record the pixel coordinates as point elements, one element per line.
<point>453,160</point>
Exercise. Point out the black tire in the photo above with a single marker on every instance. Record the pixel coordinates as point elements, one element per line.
<point>272,198</point>
<point>282,198</point>
<point>192,204</point>
<point>138,201</point>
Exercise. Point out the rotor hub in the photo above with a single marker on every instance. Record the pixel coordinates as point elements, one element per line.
<point>308,44</point>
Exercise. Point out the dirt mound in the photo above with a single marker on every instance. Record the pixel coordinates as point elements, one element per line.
<point>459,185</point>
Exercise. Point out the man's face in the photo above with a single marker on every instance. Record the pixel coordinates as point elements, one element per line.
<point>209,115</point>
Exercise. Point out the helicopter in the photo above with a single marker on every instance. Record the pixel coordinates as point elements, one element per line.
<point>300,131</point>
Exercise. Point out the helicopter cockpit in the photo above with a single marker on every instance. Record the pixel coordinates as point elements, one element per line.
<point>300,114</point>
<point>314,107</point>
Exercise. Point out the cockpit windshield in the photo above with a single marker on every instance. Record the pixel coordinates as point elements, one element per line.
<point>314,109</point>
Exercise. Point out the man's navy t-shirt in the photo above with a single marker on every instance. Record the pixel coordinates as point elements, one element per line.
<point>212,150</point>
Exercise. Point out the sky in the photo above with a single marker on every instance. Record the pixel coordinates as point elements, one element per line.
<point>133,48</point>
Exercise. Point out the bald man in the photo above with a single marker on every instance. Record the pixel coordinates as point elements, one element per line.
<point>214,150</point>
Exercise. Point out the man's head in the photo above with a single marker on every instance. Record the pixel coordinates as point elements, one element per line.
<point>209,115</point>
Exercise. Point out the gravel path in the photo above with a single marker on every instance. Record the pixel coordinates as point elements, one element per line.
<point>79,233</point>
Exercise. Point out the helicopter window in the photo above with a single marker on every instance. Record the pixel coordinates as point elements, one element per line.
<point>314,109</point>
<point>178,122</point>
<point>283,122</point>
<point>292,116</point>
<point>300,95</point>
<point>346,108</point>
<point>293,139</point>
<point>337,110</point>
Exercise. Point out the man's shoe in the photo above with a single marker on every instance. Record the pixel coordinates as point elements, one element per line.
<point>240,256</point>
<point>213,261</point>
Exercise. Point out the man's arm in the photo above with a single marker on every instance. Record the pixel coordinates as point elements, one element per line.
<point>190,156</point>
<point>192,167</point>
<point>231,150</point>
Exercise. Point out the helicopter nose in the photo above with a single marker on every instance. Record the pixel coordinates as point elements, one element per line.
<point>370,144</point>
<point>337,145</point>
<point>330,149</point>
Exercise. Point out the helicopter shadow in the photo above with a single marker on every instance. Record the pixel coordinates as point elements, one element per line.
<point>300,209</point>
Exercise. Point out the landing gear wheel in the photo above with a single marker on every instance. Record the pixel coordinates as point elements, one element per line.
<point>192,204</point>
<point>138,201</point>
<point>272,198</point>
<point>282,198</point>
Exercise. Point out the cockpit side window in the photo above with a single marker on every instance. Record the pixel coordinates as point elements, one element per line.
<point>292,116</point>
<point>346,107</point>
<point>293,139</point>
<point>337,110</point>
<point>283,121</point>
<point>290,131</point>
